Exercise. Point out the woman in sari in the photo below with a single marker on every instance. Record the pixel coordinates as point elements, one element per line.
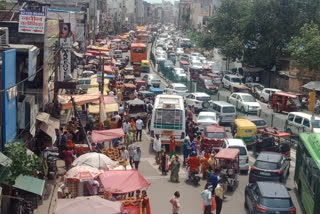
<point>164,163</point>
<point>175,168</point>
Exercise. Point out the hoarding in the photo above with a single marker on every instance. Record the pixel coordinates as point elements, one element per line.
<point>31,22</point>
<point>9,108</point>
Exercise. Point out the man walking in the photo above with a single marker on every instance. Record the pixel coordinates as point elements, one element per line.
<point>157,147</point>
<point>219,197</point>
<point>126,129</point>
<point>175,203</point>
<point>139,125</point>
<point>214,179</point>
<point>131,148</point>
<point>206,196</point>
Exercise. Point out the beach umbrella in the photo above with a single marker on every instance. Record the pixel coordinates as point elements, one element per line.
<point>94,159</point>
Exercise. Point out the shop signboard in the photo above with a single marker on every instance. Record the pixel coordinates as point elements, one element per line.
<point>31,22</point>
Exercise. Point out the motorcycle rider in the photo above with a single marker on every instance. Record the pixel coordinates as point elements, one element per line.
<point>194,164</point>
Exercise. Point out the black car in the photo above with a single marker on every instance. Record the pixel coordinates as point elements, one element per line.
<point>268,197</point>
<point>269,166</point>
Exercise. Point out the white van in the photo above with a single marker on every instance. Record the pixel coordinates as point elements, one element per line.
<point>298,122</point>
<point>243,156</point>
<point>83,83</point>
<point>226,112</point>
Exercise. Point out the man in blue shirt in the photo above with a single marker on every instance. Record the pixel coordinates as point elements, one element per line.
<point>214,179</point>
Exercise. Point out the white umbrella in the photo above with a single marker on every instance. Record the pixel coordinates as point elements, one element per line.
<point>312,85</point>
<point>93,159</point>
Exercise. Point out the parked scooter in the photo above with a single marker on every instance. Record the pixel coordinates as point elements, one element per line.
<point>51,155</point>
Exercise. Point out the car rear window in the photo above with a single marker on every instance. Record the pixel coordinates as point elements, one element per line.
<point>215,135</point>
<point>259,122</point>
<point>205,99</point>
<point>276,202</point>
<point>228,109</point>
<point>181,88</point>
<point>266,165</point>
<point>243,151</point>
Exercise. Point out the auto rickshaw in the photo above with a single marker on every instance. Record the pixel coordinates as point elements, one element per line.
<point>128,93</point>
<point>240,88</point>
<point>137,69</point>
<point>244,129</point>
<point>285,102</point>
<point>141,85</point>
<point>129,79</point>
<point>128,71</point>
<point>145,66</point>
<point>273,140</point>
<point>228,163</point>
<point>156,90</point>
<point>136,109</point>
<point>146,95</point>
<point>184,65</point>
<point>195,73</point>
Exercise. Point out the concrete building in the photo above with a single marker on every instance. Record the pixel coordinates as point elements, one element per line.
<point>130,14</point>
<point>200,11</point>
<point>139,10</point>
<point>115,15</point>
<point>147,13</point>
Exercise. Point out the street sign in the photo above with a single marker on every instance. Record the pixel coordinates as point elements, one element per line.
<point>31,22</point>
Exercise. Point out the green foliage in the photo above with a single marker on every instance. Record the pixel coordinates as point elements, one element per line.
<point>2,4</point>
<point>305,48</point>
<point>22,163</point>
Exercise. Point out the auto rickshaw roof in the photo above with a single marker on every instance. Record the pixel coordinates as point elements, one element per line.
<point>274,132</point>
<point>153,89</point>
<point>145,92</point>
<point>244,123</point>
<point>129,77</point>
<point>242,86</point>
<point>138,45</point>
<point>184,62</point>
<point>145,61</point>
<point>227,154</point>
<point>135,102</point>
<point>129,85</point>
<point>283,94</point>
<point>215,129</point>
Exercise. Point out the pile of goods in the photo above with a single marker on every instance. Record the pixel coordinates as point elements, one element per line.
<point>113,153</point>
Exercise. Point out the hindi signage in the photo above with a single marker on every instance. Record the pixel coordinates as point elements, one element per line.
<point>31,22</point>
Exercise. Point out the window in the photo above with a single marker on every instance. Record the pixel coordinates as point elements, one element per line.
<point>290,117</point>
<point>267,91</point>
<point>87,82</point>
<point>306,123</point>
<point>218,108</point>
<point>266,165</point>
<point>243,151</point>
<point>234,95</point>
<point>227,78</point>
<point>80,82</point>
<point>217,135</point>
<point>298,120</point>
<point>276,202</point>
<point>228,109</point>
<point>168,117</point>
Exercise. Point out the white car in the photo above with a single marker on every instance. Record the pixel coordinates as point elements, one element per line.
<point>179,51</point>
<point>195,54</point>
<point>151,79</point>
<point>161,58</point>
<point>196,64</point>
<point>198,100</point>
<point>160,52</point>
<point>229,80</point>
<point>265,94</point>
<point>243,156</point>
<point>194,58</point>
<point>245,102</point>
<point>177,88</point>
<point>206,119</point>
<point>202,58</point>
<point>180,74</point>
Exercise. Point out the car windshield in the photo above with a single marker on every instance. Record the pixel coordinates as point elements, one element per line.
<point>228,109</point>
<point>276,202</point>
<point>238,80</point>
<point>208,82</point>
<point>215,135</point>
<point>259,122</point>
<point>266,165</point>
<point>181,88</point>
<point>248,98</point>
<point>205,117</point>
<point>243,151</point>
<point>203,98</point>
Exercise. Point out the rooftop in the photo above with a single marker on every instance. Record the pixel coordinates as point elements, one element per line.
<point>273,189</point>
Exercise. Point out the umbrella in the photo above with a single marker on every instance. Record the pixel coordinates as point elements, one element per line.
<point>84,205</point>
<point>312,85</point>
<point>93,159</point>
<point>82,173</point>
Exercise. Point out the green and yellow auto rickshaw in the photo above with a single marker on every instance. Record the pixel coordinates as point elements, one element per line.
<point>245,130</point>
<point>145,66</point>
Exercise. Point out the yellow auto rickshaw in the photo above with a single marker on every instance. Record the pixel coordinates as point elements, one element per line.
<point>244,129</point>
<point>145,66</point>
<point>240,88</point>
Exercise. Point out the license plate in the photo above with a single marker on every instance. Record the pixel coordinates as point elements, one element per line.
<point>167,133</point>
<point>198,175</point>
<point>265,173</point>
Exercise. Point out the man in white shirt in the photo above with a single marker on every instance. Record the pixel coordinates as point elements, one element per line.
<point>131,149</point>
<point>139,125</point>
<point>121,111</point>
<point>157,147</point>
<point>126,128</point>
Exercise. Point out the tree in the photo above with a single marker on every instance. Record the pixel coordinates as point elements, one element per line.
<point>22,163</point>
<point>305,48</point>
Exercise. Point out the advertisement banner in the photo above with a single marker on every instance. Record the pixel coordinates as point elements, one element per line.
<point>31,22</point>
<point>65,55</point>
<point>80,32</point>
<point>32,62</point>
<point>9,106</point>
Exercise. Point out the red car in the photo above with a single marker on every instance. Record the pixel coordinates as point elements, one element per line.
<point>213,138</point>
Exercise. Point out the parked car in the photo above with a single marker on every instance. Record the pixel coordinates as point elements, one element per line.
<point>243,156</point>
<point>245,102</point>
<point>177,88</point>
<point>229,80</point>
<point>196,64</point>
<point>268,197</point>
<point>265,94</point>
<point>298,122</point>
<point>198,100</point>
<point>179,51</point>
<point>206,118</point>
<point>270,166</point>
<point>258,121</point>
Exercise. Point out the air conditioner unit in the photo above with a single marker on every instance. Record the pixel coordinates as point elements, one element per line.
<point>4,36</point>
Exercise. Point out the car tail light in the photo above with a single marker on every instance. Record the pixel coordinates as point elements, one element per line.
<point>260,208</point>
<point>152,133</point>
<point>292,210</point>
<point>182,135</point>
<point>279,172</point>
<point>247,161</point>
<point>253,169</point>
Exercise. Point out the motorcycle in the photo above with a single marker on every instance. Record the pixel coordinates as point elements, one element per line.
<point>51,157</point>
<point>194,177</point>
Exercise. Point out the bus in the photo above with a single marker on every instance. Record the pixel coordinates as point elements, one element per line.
<point>168,118</point>
<point>142,38</point>
<point>307,171</point>
<point>138,52</point>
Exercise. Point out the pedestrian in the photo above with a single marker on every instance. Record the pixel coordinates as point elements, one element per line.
<point>214,179</point>
<point>212,161</point>
<point>126,129</point>
<point>121,111</point>
<point>204,166</point>
<point>206,195</point>
<point>68,157</point>
<point>137,157</point>
<point>139,125</point>
<point>119,96</point>
<point>164,163</point>
<point>131,148</point>
<point>124,154</point>
<point>185,151</point>
<point>175,203</point>
<point>172,145</point>
<point>133,128</point>
<point>219,195</point>
<point>145,202</point>
<point>175,168</point>
<point>157,147</point>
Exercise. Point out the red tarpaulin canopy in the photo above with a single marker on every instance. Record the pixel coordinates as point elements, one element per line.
<point>106,135</point>
<point>65,100</point>
<point>123,181</point>
<point>227,154</point>
<point>108,69</point>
